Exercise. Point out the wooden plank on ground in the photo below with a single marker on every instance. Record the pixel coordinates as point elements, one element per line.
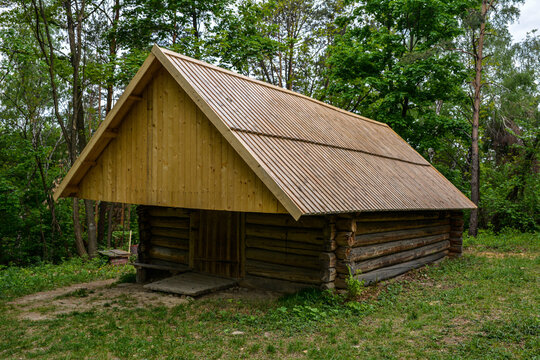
<point>191,284</point>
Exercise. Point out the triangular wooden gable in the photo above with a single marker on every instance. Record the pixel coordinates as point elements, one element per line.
<point>166,152</point>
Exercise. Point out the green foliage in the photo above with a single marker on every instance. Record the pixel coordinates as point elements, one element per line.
<point>19,281</point>
<point>396,69</point>
<point>297,311</point>
<point>355,287</point>
<point>127,278</point>
<point>510,199</point>
<point>508,240</point>
<point>25,220</point>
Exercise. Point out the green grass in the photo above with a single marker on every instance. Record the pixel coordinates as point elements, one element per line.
<point>508,241</point>
<point>18,281</point>
<point>484,305</point>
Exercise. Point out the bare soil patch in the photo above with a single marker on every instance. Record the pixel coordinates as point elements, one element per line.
<point>101,294</point>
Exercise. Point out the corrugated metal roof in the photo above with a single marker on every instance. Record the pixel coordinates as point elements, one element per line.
<point>326,160</point>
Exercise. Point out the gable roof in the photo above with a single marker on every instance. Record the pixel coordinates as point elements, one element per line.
<point>315,158</point>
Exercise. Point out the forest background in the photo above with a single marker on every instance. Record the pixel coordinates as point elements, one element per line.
<point>445,75</point>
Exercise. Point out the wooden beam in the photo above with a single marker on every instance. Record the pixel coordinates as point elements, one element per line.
<point>72,189</point>
<point>394,270</point>
<point>273,257</point>
<point>282,286</point>
<point>347,239</point>
<point>282,272</point>
<point>110,133</point>
<point>391,259</point>
<point>89,163</point>
<point>135,98</point>
<point>372,251</point>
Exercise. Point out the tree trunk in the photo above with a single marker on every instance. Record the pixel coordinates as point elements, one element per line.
<point>475,156</point>
<point>74,29</point>
<point>91,227</point>
<point>79,243</point>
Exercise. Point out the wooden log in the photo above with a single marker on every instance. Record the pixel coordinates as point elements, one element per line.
<point>383,226</point>
<point>282,286</point>
<point>457,221</point>
<point>284,220</point>
<point>170,222</point>
<point>274,257</point>
<point>176,268</point>
<point>397,216</point>
<point>366,252</point>
<point>393,271</point>
<point>378,238</point>
<point>312,236</point>
<point>327,260</point>
<point>457,241</point>
<point>456,233</point>
<point>282,272</point>
<point>169,264</point>
<point>328,286</point>
<point>344,238</point>
<point>384,261</point>
<point>283,246</point>
<point>348,225</point>
<point>328,275</point>
<point>194,220</point>
<point>172,233</point>
<point>168,212</point>
<point>455,248</point>
<point>329,236</point>
<point>175,243</point>
<point>144,234</point>
<point>169,254</point>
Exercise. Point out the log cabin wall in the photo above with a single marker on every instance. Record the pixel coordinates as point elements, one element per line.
<point>278,247</point>
<point>315,250</point>
<point>164,235</point>
<point>456,233</point>
<point>377,246</point>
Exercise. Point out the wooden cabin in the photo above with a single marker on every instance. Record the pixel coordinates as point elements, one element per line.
<point>242,179</point>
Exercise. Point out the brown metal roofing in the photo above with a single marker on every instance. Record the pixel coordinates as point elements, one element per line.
<point>313,157</point>
<point>326,160</point>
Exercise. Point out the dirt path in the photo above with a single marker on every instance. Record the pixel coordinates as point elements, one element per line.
<point>89,296</point>
<point>47,295</point>
<point>101,294</point>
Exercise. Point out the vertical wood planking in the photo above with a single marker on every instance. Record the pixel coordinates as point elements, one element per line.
<point>218,248</point>
<point>168,153</point>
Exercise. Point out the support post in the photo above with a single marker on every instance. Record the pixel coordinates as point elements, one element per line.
<point>144,242</point>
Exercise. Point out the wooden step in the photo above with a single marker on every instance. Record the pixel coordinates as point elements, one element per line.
<point>191,284</point>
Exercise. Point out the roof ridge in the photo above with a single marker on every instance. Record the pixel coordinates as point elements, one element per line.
<point>290,138</point>
<point>271,86</point>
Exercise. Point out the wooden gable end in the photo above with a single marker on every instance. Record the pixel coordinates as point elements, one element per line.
<point>166,152</point>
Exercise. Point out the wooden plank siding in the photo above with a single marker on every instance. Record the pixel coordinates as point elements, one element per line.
<point>167,153</point>
<point>217,245</point>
